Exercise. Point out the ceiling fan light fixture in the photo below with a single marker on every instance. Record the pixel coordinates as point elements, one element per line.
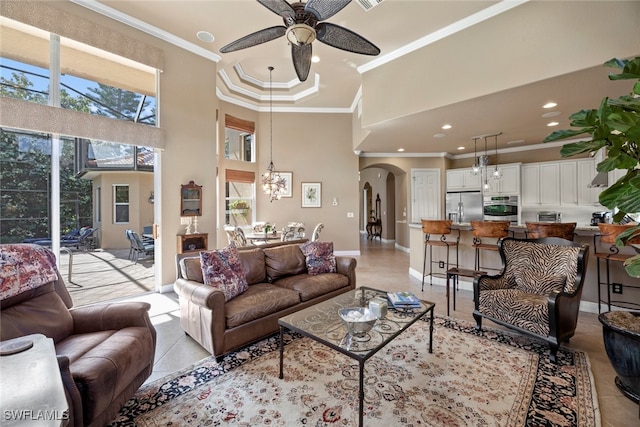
<point>301,34</point>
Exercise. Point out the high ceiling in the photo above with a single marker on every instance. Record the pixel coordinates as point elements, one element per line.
<point>401,29</point>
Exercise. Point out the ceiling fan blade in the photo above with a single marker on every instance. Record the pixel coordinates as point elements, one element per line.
<point>301,60</point>
<point>256,38</point>
<point>341,38</point>
<point>324,9</point>
<point>282,8</point>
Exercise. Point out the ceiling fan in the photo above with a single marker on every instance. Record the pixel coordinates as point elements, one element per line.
<point>302,27</point>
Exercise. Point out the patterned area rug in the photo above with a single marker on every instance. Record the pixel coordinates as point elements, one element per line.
<point>492,378</point>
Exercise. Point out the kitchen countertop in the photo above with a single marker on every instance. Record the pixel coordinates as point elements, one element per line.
<point>466,226</point>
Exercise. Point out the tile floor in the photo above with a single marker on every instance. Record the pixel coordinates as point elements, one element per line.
<point>380,265</point>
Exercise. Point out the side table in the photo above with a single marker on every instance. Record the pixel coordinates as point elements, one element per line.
<point>31,391</point>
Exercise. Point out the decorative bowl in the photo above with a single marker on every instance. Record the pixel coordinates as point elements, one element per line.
<point>357,320</point>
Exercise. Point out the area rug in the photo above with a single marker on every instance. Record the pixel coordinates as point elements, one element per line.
<point>488,378</point>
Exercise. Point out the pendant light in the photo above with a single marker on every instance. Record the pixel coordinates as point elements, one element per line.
<point>475,169</point>
<point>272,183</point>
<point>486,186</point>
<point>497,173</point>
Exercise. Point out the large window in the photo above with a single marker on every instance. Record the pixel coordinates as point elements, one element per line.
<point>25,187</point>
<point>120,204</point>
<point>239,198</point>
<point>238,139</point>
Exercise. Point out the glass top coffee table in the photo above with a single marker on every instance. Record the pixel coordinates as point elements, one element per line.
<point>322,323</point>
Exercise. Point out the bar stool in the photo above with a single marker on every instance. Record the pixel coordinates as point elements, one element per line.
<point>564,230</point>
<point>490,229</point>
<point>432,229</point>
<point>608,234</point>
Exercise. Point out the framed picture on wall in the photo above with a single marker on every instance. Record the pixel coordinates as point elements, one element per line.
<point>311,194</point>
<point>288,180</point>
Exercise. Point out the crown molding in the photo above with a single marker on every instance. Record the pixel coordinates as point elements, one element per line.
<point>442,33</point>
<point>226,79</point>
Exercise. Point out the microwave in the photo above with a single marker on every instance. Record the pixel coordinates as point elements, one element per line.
<point>500,208</point>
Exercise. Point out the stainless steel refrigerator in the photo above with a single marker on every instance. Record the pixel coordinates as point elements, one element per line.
<point>464,206</point>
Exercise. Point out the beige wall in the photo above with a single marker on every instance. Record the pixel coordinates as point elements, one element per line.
<point>111,236</point>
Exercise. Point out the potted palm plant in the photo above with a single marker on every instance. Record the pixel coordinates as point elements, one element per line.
<point>615,127</point>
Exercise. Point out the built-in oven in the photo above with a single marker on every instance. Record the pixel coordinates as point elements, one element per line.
<point>500,208</point>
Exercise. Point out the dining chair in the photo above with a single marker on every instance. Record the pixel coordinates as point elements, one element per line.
<point>316,232</point>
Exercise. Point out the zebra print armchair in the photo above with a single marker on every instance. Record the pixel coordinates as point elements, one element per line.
<point>539,290</point>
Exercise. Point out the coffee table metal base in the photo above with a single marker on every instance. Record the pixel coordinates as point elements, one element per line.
<point>361,360</point>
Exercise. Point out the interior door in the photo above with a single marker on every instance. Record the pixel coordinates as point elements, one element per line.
<point>425,194</point>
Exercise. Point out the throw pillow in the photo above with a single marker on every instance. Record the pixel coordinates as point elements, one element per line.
<point>222,270</point>
<point>319,257</point>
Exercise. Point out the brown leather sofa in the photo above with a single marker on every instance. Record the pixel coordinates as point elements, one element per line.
<point>105,351</point>
<point>278,285</point>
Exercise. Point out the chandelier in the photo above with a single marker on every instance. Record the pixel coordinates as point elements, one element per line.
<point>272,183</point>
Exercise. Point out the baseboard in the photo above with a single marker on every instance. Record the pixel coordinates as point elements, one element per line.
<point>466,284</point>
<point>402,248</point>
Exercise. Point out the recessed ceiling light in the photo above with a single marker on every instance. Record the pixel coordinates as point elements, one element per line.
<point>553,124</point>
<point>549,105</point>
<point>315,59</point>
<point>447,126</point>
<point>400,149</point>
<point>461,148</point>
<point>439,135</point>
<point>205,36</point>
<point>552,114</point>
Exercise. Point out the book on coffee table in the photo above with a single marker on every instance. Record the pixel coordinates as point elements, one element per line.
<point>403,299</point>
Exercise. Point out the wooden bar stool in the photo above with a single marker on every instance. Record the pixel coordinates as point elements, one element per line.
<point>435,234</point>
<point>487,229</point>
<point>564,230</point>
<point>607,237</point>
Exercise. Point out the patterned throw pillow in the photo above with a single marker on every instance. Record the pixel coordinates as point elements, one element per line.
<point>319,257</point>
<point>222,270</point>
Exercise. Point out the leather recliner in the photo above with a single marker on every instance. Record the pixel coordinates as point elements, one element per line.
<point>105,351</point>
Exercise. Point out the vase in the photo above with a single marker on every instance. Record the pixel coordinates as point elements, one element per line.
<point>622,344</point>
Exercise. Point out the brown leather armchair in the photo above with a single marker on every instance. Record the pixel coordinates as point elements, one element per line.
<point>105,351</point>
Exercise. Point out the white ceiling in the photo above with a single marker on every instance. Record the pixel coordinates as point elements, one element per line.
<point>397,27</point>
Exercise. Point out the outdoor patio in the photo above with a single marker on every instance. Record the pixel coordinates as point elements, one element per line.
<point>102,275</point>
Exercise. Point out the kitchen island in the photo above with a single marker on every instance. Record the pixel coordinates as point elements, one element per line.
<point>584,235</point>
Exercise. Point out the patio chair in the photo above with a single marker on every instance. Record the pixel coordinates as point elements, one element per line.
<point>140,247</point>
<point>85,241</point>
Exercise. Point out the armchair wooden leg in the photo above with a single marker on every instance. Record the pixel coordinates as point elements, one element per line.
<point>553,351</point>
<point>478,321</point>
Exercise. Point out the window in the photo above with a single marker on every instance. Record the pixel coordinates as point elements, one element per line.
<point>121,204</point>
<point>239,198</point>
<point>238,139</point>
<point>98,201</point>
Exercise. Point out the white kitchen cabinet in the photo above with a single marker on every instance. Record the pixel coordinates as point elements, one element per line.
<point>562,183</point>
<point>541,183</point>
<point>569,183</point>
<point>586,170</point>
<point>462,180</point>
<point>509,184</point>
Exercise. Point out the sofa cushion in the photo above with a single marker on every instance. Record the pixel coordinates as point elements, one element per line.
<point>253,265</point>
<point>257,302</point>
<point>100,369</point>
<point>310,287</point>
<point>282,261</point>
<point>319,257</point>
<point>45,313</point>
<point>222,270</point>
<point>191,269</point>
